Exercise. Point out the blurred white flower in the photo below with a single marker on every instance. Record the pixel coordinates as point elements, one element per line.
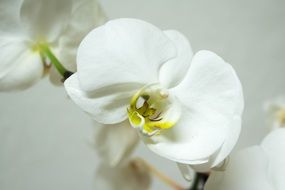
<point>258,167</point>
<point>275,110</point>
<point>115,143</point>
<point>28,24</point>
<point>133,175</point>
<point>186,108</point>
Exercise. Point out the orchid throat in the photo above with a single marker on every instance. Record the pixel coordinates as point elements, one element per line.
<point>153,109</point>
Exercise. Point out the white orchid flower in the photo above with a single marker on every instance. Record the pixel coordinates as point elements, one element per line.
<point>186,108</point>
<point>33,31</point>
<point>258,167</point>
<point>115,143</point>
<point>133,175</point>
<point>276,112</point>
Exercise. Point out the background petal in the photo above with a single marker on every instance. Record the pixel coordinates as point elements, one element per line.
<point>211,91</point>
<point>85,16</point>
<point>174,70</point>
<point>274,146</point>
<point>19,67</point>
<point>272,107</point>
<point>9,16</point>
<point>122,51</point>
<point>133,175</point>
<point>115,143</point>
<point>45,20</point>
<point>106,105</point>
<point>247,170</point>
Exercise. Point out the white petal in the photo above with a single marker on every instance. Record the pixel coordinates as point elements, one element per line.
<point>187,172</point>
<point>275,104</point>
<point>274,146</point>
<point>191,141</point>
<point>247,170</point>
<point>272,107</point>
<point>173,71</point>
<point>122,51</point>
<point>134,175</point>
<point>45,20</point>
<point>9,16</point>
<point>106,105</point>
<point>19,67</point>
<point>212,94</point>
<point>115,143</point>
<point>85,16</point>
<point>231,138</point>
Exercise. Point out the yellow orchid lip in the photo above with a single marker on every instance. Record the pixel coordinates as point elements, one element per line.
<point>148,110</point>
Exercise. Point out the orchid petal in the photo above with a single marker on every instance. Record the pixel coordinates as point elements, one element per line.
<point>247,170</point>
<point>274,146</point>
<point>106,105</point>
<point>20,68</point>
<point>231,138</point>
<point>85,16</point>
<point>191,141</point>
<point>266,163</point>
<point>187,172</point>
<point>9,17</point>
<point>212,94</point>
<point>122,51</point>
<point>115,143</point>
<point>45,20</point>
<point>209,126</point>
<point>173,71</point>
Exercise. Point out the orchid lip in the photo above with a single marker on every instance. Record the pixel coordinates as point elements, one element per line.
<point>153,109</point>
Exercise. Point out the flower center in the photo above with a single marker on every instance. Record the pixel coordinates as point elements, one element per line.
<point>281,116</point>
<point>153,109</point>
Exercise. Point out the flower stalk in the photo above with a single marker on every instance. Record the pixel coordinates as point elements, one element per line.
<point>165,179</point>
<point>46,51</point>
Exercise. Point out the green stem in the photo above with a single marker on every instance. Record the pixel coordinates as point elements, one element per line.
<point>44,49</point>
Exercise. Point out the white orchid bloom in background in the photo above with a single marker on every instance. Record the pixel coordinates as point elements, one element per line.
<point>115,143</point>
<point>132,175</point>
<point>258,167</point>
<point>276,112</point>
<point>185,108</point>
<point>32,30</point>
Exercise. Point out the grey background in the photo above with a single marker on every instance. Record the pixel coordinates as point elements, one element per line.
<point>45,140</point>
